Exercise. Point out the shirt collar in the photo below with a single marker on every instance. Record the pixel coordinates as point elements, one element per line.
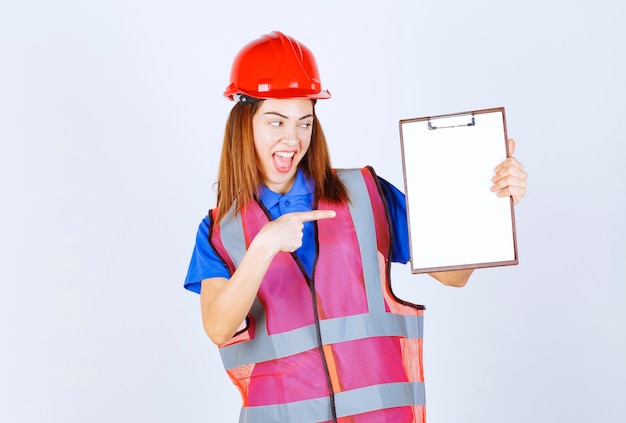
<point>301,186</point>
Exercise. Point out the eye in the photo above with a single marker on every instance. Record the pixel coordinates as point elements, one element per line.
<point>276,123</point>
<point>306,125</point>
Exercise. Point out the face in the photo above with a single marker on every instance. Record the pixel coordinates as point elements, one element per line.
<point>282,134</point>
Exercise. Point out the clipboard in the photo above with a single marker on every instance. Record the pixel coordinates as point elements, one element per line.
<point>455,220</point>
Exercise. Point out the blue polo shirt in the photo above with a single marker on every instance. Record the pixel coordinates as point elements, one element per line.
<point>205,263</point>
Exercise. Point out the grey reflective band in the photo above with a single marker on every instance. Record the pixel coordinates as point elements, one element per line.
<point>268,347</point>
<point>363,218</point>
<point>388,395</point>
<point>348,403</point>
<point>315,410</point>
<point>232,235</point>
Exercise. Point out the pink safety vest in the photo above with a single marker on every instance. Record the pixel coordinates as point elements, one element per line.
<point>335,347</point>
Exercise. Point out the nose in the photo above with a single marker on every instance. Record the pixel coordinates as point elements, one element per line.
<point>290,136</point>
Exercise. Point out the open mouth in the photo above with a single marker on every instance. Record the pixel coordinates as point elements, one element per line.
<point>283,160</point>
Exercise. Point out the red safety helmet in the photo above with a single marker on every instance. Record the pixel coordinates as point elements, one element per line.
<point>275,66</point>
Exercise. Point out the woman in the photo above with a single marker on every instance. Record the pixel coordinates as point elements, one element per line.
<point>293,264</point>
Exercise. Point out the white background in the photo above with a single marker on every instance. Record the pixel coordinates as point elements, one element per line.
<point>111,120</point>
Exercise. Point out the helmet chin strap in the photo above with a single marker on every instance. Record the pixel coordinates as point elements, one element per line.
<point>245,99</point>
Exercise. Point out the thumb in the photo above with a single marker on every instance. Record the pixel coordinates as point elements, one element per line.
<point>511,145</point>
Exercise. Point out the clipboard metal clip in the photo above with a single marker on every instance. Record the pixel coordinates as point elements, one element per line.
<point>451,121</point>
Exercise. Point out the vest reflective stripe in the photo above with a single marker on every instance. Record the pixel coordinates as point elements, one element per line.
<point>267,347</point>
<point>232,236</point>
<point>361,210</point>
<point>352,402</point>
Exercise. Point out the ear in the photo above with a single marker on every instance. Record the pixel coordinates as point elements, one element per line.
<point>511,145</point>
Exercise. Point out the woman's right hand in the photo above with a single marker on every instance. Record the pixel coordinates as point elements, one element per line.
<point>285,233</point>
<point>226,302</point>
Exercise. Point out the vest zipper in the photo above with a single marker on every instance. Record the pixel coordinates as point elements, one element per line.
<point>318,331</point>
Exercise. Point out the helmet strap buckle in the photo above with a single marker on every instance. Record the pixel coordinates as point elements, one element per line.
<point>245,99</point>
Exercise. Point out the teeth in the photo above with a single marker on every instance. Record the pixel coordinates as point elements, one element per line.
<point>285,154</point>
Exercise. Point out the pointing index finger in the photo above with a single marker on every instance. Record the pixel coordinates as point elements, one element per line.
<point>312,215</point>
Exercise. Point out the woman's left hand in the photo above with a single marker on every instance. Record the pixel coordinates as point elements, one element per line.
<point>510,178</point>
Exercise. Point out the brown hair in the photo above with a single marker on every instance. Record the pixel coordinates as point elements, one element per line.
<point>238,177</point>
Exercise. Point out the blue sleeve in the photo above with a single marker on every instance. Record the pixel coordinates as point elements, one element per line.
<point>205,263</point>
<point>396,203</point>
